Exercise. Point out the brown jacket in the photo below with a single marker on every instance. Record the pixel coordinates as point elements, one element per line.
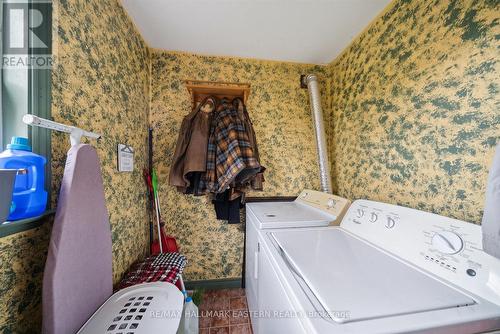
<point>191,151</point>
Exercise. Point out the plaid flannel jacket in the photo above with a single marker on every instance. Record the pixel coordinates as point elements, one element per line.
<point>230,157</point>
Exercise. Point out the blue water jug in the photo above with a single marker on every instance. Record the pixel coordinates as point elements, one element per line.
<point>29,198</point>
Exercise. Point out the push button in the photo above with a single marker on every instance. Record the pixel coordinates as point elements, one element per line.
<point>471,272</point>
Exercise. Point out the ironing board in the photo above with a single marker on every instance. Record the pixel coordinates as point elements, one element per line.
<point>78,272</point>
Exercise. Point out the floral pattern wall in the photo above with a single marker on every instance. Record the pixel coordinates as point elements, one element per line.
<point>101,83</point>
<point>22,261</point>
<point>414,107</point>
<point>279,109</point>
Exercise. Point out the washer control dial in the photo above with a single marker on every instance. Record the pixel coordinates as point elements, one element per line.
<point>447,242</point>
<point>331,203</point>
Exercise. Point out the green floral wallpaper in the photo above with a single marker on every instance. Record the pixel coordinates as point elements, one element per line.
<point>414,107</point>
<point>22,261</point>
<point>279,109</point>
<point>101,83</point>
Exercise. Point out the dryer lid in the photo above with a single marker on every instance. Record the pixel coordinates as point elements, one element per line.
<point>355,281</point>
<point>288,214</point>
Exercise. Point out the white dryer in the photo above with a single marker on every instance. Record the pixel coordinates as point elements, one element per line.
<point>385,269</point>
<point>310,209</point>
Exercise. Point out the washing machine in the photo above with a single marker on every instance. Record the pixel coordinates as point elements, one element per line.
<point>384,269</point>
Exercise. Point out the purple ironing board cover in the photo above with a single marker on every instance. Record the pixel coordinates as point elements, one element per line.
<point>78,272</point>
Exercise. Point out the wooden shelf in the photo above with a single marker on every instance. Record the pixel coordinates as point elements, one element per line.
<point>201,89</point>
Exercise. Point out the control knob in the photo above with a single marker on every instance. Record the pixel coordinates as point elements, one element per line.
<point>390,223</point>
<point>447,242</point>
<point>330,204</point>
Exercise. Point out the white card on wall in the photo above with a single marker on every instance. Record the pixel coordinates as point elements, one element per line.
<point>125,158</point>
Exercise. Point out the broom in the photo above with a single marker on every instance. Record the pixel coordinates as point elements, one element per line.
<point>166,243</point>
<point>147,179</point>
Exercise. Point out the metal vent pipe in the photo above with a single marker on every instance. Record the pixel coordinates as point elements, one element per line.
<point>311,82</point>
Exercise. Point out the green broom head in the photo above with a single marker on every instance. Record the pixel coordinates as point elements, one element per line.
<point>155,182</point>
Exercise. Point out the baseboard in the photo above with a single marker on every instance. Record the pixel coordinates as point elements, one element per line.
<point>214,284</point>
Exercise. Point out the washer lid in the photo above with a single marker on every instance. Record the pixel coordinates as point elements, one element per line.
<point>288,214</point>
<point>354,281</point>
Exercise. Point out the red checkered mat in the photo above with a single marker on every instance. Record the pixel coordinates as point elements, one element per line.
<point>165,267</point>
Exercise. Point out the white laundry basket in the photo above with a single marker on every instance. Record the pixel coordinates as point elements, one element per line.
<point>147,308</point>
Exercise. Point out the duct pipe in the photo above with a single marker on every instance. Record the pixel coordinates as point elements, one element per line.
<point>311,82</point>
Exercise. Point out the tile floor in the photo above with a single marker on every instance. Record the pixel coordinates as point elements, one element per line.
<point>224,311</point>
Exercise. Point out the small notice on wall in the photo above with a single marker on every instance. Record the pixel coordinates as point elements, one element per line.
<point>125,158</point>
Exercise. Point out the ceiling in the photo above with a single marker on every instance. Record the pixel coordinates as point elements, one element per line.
<point>305,31</point>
